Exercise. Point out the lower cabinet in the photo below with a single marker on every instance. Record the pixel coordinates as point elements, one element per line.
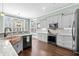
<point>42,37</point>
<point>18,46</point>
<point>25,42</point>
<point>64,41</point>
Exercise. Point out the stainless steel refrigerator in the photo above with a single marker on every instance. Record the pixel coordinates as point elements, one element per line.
<point>75,32</point>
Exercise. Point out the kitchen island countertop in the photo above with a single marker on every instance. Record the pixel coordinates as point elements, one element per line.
<point>6,48</point>
<point>22,34</point>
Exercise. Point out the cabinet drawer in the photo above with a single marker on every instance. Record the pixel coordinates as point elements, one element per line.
<point>67,38</point>
<point>59,38</point>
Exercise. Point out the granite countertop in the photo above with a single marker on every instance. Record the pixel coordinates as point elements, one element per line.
<point>6,48</point>
<point>65,34</point>
<point>22,34</point>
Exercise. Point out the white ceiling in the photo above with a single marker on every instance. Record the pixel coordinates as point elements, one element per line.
<point>31,10</point>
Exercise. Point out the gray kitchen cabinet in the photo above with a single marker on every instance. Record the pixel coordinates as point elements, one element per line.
<point>49,20</point>
<point>1,24</point>
<point>8,21</point>
<point>15,23</point>
<point>64,41</point>
<point>64,21</point>
<point>27,25</point>
<point>54,19</point>
<point>59,40</point>
<point>67,21</point>
<point>43,23</point>
<point>33,26</point>
<point>68,42</point>
<point>18,24</point>
<point>18,46</point>
<point>42,37</point>
<point>59,21</point>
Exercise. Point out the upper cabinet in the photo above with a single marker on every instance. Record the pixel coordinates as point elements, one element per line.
<point>27,25</point>
<point>18,25</point>
<point>43,23</point>
<point>15,23</point>
<point>1,24</point>
<point>64,21</point>
<point>8,21</point>
<point>52,19</point>
<point>67,21</point>
<point>59,21</point>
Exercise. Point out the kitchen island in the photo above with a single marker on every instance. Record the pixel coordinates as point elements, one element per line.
<point>12,45</point>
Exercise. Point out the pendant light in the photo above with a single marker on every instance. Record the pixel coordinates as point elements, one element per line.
<point>2,13</point>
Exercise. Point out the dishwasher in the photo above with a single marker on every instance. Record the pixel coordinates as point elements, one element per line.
<point>27,41</point>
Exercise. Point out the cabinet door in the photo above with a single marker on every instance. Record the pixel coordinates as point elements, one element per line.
<point>69,45</point>
<point>55,19</point>
<point>27,25</point>
<point>49,20</point>
<point>44,37</point>
<point>1,24</point>
<point>68,42</point>
<point>16,47</point>
<point>64,41</point>
<point>39,36</point>
<point>67,21</point>
<point>8,21</point>
<point>60,40</point>
<point>43,23</point>
<point>20,46</point>
<point>59,21</point>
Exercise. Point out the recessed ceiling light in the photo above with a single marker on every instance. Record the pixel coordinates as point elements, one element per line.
<point>34,19</point>
<point>44,8</point>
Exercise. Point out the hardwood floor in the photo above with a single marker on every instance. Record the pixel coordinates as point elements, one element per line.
<point>40,48</point>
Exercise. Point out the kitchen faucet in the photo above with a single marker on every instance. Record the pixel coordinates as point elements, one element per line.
<point>5,31</point>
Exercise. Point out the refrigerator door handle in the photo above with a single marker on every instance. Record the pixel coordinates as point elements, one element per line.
<point>73,37</point>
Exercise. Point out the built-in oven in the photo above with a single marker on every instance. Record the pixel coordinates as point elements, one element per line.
<point>51,39</point>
